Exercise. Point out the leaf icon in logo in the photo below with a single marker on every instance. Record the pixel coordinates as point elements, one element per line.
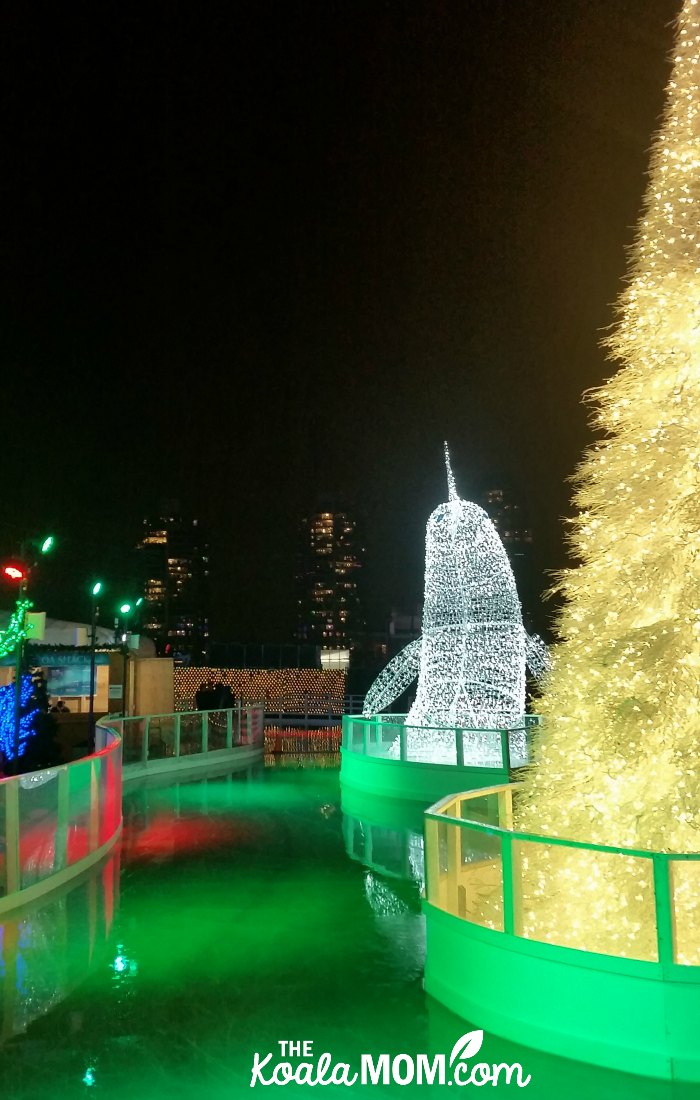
<point>466,1045</point>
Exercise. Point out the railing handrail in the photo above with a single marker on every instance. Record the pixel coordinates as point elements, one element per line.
<point>435,814</point>
<point>180,713</point>
<point>372,726</point>
<point>390,719</point>
<point>63,764</point>
<point>155,737</point>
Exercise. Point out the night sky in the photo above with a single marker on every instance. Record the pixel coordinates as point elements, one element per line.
<point>254,252</point>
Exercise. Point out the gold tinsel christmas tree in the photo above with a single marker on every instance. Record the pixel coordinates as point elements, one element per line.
<point>618,760</point>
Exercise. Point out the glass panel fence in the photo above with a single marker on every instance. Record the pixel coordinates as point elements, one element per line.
<point>190,734</point>
<point>483,808</point>
<point>430,745</point>
<point>98,768</point>
<point>133,733</point>
<point>519,746</point>
<point>54,818</point>
<point>435,865</point>
<point>685,906</point>
<point>246,731</point>
<point>217,730</point>
<point>585,899</point>
<point>604,902</point>
<point>256,719</point>
<point>109,792</point>
<point>480,748</point>
<point>162,736</point>
<point>79,780</point>
<point>464,870</point>
<point>38,825</point>
<point>384,738</point>
<point>238,720</point>
<point>478,896</point>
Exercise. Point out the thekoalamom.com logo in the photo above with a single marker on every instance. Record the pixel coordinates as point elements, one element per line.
<point>300,1067</point>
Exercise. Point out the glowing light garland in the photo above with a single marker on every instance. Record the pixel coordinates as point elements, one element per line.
<point>17,630</point>
<point>470,660</point>
<point>618,761</point>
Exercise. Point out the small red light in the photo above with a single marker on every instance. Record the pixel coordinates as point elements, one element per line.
<point>14,573</point>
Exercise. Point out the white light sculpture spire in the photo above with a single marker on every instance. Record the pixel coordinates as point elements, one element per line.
<point>470,660</point>
<point>451,483</point>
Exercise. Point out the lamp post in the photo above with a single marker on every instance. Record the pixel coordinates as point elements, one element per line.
<point>126,609</point>
<point>94,593</point>
<point>19,654</point>
<point>21,573</point>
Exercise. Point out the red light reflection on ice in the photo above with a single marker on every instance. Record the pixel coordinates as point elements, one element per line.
<point>166,835</point>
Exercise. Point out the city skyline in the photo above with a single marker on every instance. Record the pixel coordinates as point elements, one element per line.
<point>257,256</point>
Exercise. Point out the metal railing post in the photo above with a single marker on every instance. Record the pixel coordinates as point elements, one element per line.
<point>229,729</point>
<point>454,865</point>
<point>512,893</point>
<point>205,731</point>
<point>94,820</point>
<point>505,750</point>
<point>432,861</point>
<point>145,742</point>
<point>665,931</point>
<point>238,722</point>
<point>61,848</point>
<point>459,743</point>
<point>177,735</point>
<point>505,808</point>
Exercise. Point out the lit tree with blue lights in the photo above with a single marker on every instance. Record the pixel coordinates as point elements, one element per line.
<point>29,713</point>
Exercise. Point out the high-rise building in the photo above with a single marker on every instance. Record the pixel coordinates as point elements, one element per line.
<point>508,517</point>
<point>174,567</point>
<point>330,559</point>
<point>510,520</point>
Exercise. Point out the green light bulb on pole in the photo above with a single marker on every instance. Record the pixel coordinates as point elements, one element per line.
<point>94,593</point>
<point>48,544</point>
<point>125,609</point>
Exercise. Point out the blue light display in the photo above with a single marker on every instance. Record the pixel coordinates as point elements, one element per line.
<point>28,715</point>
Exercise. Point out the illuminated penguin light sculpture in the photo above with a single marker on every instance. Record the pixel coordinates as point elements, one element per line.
<point>470,660</point>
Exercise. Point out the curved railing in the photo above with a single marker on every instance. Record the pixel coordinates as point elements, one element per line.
<point>56,823</point>
<point>627,903</point>
<point>159,741</point>
<point>388,736</point>
<point>587,951</point>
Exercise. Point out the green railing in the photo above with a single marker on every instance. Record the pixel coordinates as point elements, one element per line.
<point>621,902</point>
<point>387,735</point>
<point>158,737</point>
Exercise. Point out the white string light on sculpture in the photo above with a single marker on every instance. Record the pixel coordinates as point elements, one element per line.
<point>470,660</point>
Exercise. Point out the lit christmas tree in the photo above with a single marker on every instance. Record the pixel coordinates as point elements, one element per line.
<point>618,761</point>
